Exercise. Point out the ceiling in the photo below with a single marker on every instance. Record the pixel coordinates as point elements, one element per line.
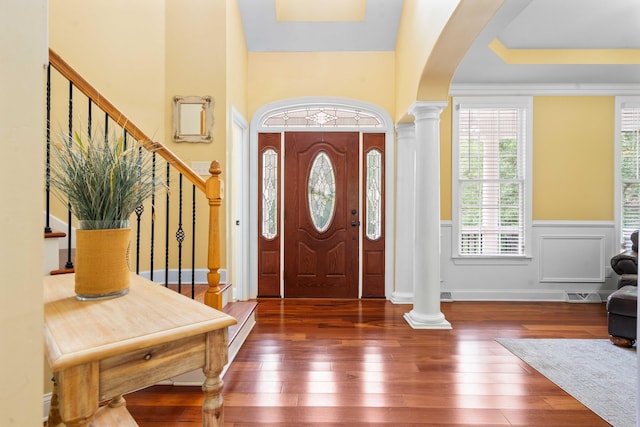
<point>564,33</point>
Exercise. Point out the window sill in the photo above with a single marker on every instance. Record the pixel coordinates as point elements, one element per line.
<point>492,260</point>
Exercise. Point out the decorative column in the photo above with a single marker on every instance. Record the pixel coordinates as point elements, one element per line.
<point>405,223</point>
<point>426,312</point>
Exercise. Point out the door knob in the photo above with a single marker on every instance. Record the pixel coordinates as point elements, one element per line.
<point>355,223</point>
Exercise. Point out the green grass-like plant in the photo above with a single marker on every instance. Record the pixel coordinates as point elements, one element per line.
<point>102,181</point>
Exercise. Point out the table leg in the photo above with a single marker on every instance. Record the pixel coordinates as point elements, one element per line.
<point>216,358</point>
<point>54,419</point>
<point>78,394</point>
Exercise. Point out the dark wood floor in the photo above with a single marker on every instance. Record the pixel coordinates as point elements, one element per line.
<point>331,363</point>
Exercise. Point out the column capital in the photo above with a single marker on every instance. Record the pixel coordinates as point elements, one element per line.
<point>406,130</point>
<point>427,109</point>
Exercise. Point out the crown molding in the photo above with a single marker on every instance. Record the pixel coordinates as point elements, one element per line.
<point>573,89</point>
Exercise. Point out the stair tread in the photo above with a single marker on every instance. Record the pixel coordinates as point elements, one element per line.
<point>241,311</point>
<point>54,234</point>
<point>62,271</point>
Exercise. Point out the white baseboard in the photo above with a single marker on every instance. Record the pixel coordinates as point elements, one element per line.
<point>200,276</point>
<point>587,296</point>
<point>402,298</point>
<point>46,405</point>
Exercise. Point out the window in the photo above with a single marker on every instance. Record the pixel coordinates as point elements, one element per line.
<point>491,176</point>
<point>321,192</point>
<point>374,194</point>
<point>322,117</point>
<point>628,167</point>
<point>269,193</point>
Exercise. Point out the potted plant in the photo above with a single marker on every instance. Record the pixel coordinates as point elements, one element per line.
<point>103,181</point>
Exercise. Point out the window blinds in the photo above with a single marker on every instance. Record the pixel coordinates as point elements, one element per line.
<point>491,180</point>
<point>630,170</point>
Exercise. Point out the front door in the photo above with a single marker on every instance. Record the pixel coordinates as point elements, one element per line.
<point>321,212</point>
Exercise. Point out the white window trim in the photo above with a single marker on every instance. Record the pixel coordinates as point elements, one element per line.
<point>525,102</point>
<point>620,102</point>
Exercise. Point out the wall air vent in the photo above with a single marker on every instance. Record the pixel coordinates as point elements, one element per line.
<point>445,296</point>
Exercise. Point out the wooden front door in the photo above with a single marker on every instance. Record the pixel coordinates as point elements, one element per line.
<point>321,212</point>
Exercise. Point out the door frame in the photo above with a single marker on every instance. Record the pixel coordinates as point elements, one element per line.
<point>257,125</point>
<point>237,205</point>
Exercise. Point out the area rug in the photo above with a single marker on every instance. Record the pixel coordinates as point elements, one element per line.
<point>600,375</point>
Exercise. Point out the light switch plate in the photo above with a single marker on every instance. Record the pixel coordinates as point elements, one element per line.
<point>201,168</point>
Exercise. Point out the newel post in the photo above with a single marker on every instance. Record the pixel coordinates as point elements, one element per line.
<point>213,297</point>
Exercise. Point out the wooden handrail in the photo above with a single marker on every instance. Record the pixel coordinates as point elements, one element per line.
<point>92,93</point>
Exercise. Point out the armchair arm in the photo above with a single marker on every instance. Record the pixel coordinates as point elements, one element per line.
<point>625,262</point>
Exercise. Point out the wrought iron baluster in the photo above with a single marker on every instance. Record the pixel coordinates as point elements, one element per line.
<point>139,211</point>
<point>47,225</point>
<point>69,263</point>
<point>153,214</point>
<point>180,235</point>
<point>89,118</point>
<point>193,242</point>
<point>166,226</point>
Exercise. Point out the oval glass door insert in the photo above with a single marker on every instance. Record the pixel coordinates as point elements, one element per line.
<point>321,191</point>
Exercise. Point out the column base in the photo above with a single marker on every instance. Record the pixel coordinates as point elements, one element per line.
<point>426,321</point>
<point>402,298</point>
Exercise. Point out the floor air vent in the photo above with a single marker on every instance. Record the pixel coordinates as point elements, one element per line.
<point>583,297</point>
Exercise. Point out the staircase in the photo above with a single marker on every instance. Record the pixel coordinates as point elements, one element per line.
<point>59,256</point>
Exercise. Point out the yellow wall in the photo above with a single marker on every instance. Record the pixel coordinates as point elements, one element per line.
<point>445,162</point>
<point>196,51</point>
<point>141,54</point>
<point>197,47</point>
<point>420,26</point>
<point>365,76</point>
<point>237,59</point>
<point>573,173</point>
<point>23,47</point>
<point>119,47</point>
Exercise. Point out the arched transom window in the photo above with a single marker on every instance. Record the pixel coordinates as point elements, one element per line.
<point>322,117</point>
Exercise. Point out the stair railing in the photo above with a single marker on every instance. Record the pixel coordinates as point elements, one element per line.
<point>210,188</point>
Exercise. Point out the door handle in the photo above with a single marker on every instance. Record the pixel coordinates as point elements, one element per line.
<point>355,223</point>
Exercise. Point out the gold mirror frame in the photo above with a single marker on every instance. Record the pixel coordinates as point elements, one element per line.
<point>192,118</point>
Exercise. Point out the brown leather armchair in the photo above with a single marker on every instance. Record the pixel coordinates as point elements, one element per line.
<point>625,264</point>
<point>622,305</point>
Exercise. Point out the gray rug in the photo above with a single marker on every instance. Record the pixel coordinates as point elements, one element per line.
<point>601,376</point>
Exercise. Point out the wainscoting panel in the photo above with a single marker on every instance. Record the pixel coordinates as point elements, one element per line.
<point>567,258</point>
<point>574,259</point>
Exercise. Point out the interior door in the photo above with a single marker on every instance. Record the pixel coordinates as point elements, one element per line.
<point>321,218</point>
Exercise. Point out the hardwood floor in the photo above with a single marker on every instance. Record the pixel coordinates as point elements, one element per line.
<point>331,363</point>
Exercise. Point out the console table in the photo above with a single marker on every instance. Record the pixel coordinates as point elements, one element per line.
<point>100,350</point>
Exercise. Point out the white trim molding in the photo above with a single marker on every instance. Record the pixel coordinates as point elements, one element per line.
<point>575,89</point>
<point>571,259</point>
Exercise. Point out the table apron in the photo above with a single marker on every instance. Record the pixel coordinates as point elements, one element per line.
<point>141,368</point>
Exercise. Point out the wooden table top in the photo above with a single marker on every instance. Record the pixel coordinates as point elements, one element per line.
<point>78,332</point>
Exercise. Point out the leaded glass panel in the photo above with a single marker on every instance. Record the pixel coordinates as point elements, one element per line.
<point>269,193</point>
<point>321,191</point>
<point>322,117</point>
<point>374,195</point>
